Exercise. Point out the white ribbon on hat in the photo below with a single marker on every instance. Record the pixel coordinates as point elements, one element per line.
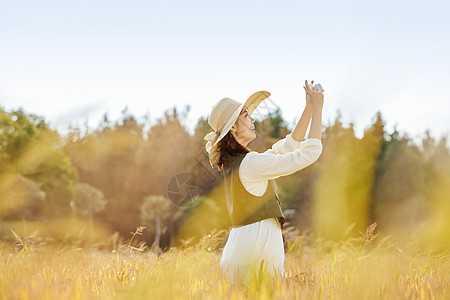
<point>210,137</point>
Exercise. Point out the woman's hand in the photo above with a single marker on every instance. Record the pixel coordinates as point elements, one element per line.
<point>308,100</point>
<point>316,100</point>
<point>313,98</point>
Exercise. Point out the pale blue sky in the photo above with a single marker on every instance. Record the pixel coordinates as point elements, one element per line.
<point>72,61</point>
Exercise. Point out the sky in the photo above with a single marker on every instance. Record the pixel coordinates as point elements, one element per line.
<point>72,61</point>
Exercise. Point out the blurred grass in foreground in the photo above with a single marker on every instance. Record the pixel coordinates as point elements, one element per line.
<point>369,267</point>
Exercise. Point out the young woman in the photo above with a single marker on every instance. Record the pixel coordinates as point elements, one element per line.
<point>255,241</point>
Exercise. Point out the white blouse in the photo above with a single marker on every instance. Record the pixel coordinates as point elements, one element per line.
<point>286,156</point>
<point>250,244</point>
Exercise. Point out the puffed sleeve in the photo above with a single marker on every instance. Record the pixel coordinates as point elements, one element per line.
<point>264,166</point>
<point>286,145</point>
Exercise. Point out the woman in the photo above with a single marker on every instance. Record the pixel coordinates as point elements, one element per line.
<point>255,241</point>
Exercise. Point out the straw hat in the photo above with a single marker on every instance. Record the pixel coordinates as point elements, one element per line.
<point>223,115</point>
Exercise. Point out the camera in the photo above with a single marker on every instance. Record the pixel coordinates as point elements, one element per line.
<point>316,88</point>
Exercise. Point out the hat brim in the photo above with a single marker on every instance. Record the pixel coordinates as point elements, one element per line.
<point>255,99</point>
<point>252,103</point>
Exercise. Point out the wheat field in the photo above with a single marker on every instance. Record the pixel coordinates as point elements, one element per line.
<point>367,267</point>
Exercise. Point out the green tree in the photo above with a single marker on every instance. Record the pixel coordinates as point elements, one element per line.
<point>17,130</point>
<point>398,194</point>
<point>269,131</point>
<point>30,148</point>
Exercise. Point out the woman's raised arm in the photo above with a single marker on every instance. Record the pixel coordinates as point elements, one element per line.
<point>299,131</point>
<point>316,100</point>
<point>314,104</point>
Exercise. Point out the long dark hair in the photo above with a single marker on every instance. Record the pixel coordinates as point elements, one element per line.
<point>228,146</point>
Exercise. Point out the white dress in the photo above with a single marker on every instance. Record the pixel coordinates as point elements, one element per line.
<point>247,246</point>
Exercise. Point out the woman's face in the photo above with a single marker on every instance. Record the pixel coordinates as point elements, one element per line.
<point>244,129</point>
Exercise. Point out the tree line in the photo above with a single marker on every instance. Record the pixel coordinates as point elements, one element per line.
<point>131,172</point>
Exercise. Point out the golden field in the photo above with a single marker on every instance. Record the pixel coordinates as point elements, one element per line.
<point>368,267</point>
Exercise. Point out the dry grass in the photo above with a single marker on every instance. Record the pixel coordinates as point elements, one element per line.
<point>368,267</point>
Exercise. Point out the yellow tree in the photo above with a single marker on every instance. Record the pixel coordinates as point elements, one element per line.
<point>343,191</point>
<point>155,210</point>
<point>89,202</point>
<point>437,191</point>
